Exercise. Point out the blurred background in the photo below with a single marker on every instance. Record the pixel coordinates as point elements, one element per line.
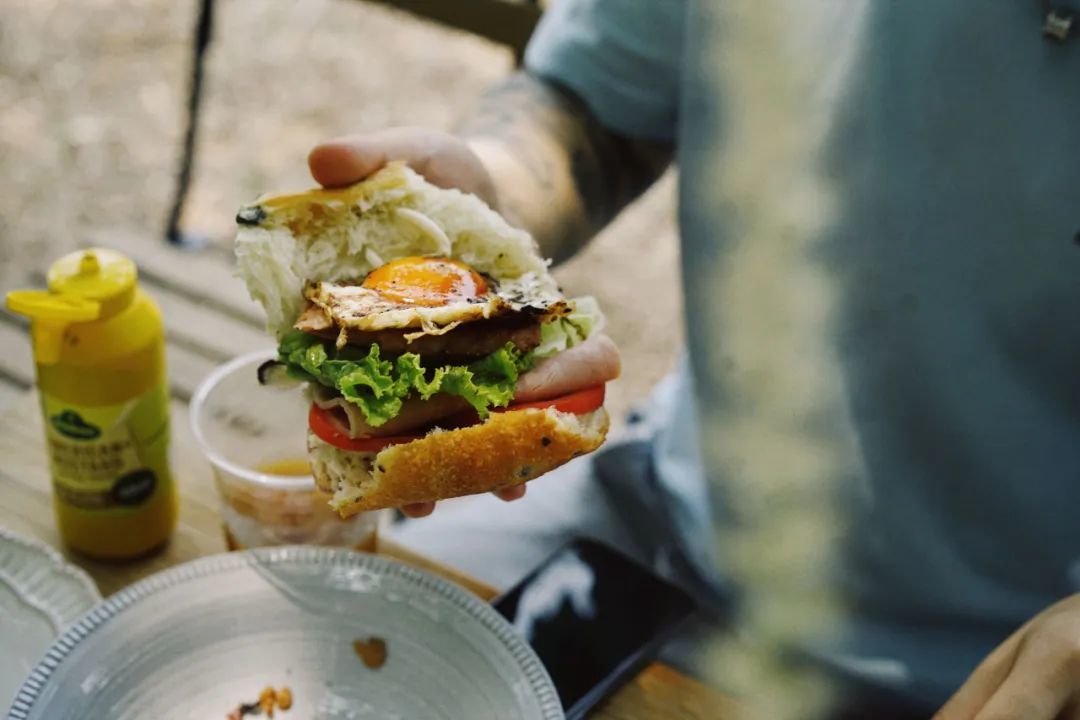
<point>92,113</point>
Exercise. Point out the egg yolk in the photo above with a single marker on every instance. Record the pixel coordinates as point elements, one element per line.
<point>425,281</point>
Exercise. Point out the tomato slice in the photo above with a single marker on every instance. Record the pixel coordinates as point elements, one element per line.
<point>329,428</point>
<point>578,402</point>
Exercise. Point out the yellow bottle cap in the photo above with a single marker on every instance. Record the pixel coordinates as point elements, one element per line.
<point>95,274</point>
<point>47,306</point>
<point>83,286</point>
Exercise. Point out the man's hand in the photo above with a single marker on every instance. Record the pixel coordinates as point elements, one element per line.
<point>419,510</point>
<point>1034,675</point>
<point>445,160</point>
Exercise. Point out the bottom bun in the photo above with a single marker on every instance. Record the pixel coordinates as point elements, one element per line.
<point>507,449</point>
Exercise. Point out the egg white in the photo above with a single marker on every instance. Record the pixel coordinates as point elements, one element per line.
<point>349,305</point>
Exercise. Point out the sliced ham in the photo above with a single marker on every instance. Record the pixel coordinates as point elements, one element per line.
<point>592,362</point>
<point>415,413</point>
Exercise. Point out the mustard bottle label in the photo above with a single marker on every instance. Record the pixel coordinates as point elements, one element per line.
<point>108,457</point>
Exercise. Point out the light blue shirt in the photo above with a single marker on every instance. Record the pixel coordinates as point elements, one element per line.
<point>947,136</point>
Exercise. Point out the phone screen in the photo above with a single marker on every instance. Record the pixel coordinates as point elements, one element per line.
<point>593,616</point>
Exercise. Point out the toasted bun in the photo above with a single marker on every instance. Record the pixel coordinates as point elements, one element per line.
<point>342,234</point>
<point>507,449</point>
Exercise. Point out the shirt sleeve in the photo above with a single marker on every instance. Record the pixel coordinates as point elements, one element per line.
<point>620,56</point>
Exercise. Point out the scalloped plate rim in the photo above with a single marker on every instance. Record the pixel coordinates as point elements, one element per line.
<point>58,563</point>
<point>41,581</point>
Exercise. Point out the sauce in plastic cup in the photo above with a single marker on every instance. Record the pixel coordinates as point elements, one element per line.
<point>255,438</point>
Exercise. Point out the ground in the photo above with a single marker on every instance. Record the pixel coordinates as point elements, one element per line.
<point>91,107</point>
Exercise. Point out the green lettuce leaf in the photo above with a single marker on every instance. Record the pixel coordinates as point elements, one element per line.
<point>379,387</point>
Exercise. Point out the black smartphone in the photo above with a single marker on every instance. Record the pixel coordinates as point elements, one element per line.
<point>594,617</point>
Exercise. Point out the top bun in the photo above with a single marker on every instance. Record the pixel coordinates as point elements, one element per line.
<point>285,241</point>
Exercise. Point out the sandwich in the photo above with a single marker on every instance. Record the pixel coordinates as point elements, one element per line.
<point>440,357</point>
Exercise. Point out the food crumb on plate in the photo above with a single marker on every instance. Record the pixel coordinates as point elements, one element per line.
<point>269,701</point>
<point>371,651</point>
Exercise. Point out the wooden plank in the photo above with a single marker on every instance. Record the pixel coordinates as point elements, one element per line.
<point>507,23</point>
<point>186,370</point>
<point>9,394</point>
<point>16,355</point>
<point>660,692</point>
<point>205,277</point>
<point>35,517</point>
<point>202,329</point>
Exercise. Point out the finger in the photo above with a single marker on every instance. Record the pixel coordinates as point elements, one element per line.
<point>349,159</point>
<point>510,494</point>
<point>1036,688</point>
<point>443,159</point>
<point>983,681</point>
<point>343,161</point>
<point>419,510</point>
<point>336,163</point>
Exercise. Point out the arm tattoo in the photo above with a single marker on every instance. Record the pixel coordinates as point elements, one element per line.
<point>559,172</point>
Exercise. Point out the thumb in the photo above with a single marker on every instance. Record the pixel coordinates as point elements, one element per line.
<point>445,160</point>
<point>343,161</point>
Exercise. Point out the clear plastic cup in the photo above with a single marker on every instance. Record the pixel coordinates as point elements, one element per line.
<point>255,438</point>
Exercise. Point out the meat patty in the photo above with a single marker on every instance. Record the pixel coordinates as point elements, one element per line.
<point>466,341</point>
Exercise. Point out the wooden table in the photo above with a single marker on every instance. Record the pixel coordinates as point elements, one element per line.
<point>209,319</point>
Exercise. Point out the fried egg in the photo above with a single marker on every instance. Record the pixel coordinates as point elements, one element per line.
<point>434,294</point>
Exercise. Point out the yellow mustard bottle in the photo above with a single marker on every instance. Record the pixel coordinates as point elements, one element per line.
<point>99,350</point>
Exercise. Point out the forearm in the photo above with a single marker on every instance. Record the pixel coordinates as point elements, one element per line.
<point>557,172</point>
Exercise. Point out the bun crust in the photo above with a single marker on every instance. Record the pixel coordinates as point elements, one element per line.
<point>509,448</point>
<point>286,241</point>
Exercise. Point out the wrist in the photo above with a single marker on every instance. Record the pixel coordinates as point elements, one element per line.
<point>541,203</point>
